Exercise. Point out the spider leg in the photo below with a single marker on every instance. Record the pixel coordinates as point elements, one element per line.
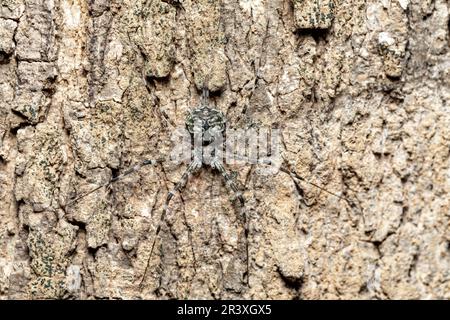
<point>284,167</point>
<point>135,168</point>
<point>193,166</point>
<point>228,180</point>
<point>295,176</point>
<point>232,185</point>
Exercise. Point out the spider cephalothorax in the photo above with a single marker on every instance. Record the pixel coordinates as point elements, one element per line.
<point>208,122</point>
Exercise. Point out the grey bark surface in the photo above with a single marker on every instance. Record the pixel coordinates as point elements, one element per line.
<point>90,88</point>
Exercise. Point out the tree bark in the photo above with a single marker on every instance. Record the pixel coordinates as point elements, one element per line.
<point>90,88</point>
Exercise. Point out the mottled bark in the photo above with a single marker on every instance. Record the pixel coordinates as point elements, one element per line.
<point>89,88</point>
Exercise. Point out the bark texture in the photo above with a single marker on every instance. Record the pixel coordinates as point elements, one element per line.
<point>89,88</point>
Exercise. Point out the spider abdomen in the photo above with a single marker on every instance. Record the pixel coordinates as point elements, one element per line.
<point>206,121</point>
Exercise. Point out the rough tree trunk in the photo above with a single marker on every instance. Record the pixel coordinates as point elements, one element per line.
<point>89,88</point>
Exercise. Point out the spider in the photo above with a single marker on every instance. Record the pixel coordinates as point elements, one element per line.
<point>206,126</point>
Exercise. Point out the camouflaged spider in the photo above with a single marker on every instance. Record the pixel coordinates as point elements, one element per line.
<point>206,126</point>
